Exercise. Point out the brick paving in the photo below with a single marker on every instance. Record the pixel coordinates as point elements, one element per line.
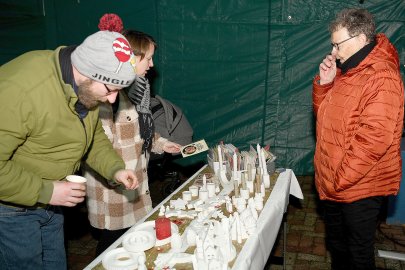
<point>305,237</point>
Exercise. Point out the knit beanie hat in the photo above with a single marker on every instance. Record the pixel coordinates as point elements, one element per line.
<point>105,57</point>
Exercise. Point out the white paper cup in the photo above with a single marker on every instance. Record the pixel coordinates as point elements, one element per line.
<point>76,179</point>
<point>211,189</point>
<point>194,191</point>
<point>187,196</point>
<point>203,194</point>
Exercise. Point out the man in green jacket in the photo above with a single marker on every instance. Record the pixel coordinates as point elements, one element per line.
<point>48,125</point>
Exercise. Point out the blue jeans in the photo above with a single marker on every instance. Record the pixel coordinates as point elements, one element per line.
<point>31,238</point>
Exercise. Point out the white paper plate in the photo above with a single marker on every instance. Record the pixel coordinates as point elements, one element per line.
<point>150,226</point>
<point>138,241</point>
<point>121,259</point>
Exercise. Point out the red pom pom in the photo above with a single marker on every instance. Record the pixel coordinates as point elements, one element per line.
<point>111,22</point>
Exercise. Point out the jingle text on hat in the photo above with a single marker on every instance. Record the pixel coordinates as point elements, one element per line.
<point>111,81</point>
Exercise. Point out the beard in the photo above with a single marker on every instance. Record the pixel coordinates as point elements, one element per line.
<point>86,96</point>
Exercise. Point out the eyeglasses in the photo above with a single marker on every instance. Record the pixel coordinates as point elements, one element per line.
<point>109,91</point>
<point>336,45</point>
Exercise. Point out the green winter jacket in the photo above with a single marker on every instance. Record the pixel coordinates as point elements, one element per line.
<point>42,138</point>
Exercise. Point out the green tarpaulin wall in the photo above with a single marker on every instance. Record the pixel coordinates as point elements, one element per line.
<point>241,70</point>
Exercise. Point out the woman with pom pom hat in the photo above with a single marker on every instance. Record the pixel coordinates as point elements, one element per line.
<point>129,125</point>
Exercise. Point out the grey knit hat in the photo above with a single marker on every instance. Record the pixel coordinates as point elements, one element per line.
<point>105,57</point>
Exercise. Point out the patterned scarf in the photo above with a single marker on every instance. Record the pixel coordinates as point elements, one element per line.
<point>139,94</point>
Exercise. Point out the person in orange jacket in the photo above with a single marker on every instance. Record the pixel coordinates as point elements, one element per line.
<point>358,101</point>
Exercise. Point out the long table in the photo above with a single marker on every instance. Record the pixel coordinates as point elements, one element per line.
<point>254,252</point>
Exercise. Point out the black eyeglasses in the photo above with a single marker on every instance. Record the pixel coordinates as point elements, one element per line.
<point>336,45</point>
<point>109,91</point>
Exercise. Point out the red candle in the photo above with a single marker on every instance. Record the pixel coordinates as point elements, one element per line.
<point>163,228</point>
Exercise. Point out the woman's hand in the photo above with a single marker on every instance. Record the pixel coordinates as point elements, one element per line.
<point>327,69</point>
<point>127,178</point>
<point>171,147</point>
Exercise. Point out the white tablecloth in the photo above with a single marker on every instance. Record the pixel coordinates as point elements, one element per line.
<point>258,246</point>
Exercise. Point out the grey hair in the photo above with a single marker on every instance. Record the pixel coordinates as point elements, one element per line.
<point>356,21</point>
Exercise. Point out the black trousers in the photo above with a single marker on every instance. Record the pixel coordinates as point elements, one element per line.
<point>350,232</point>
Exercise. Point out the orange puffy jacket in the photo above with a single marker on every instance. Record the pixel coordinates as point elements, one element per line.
<point>359,121</point>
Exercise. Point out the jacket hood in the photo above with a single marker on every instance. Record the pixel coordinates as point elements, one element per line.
<point>383,53</point>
